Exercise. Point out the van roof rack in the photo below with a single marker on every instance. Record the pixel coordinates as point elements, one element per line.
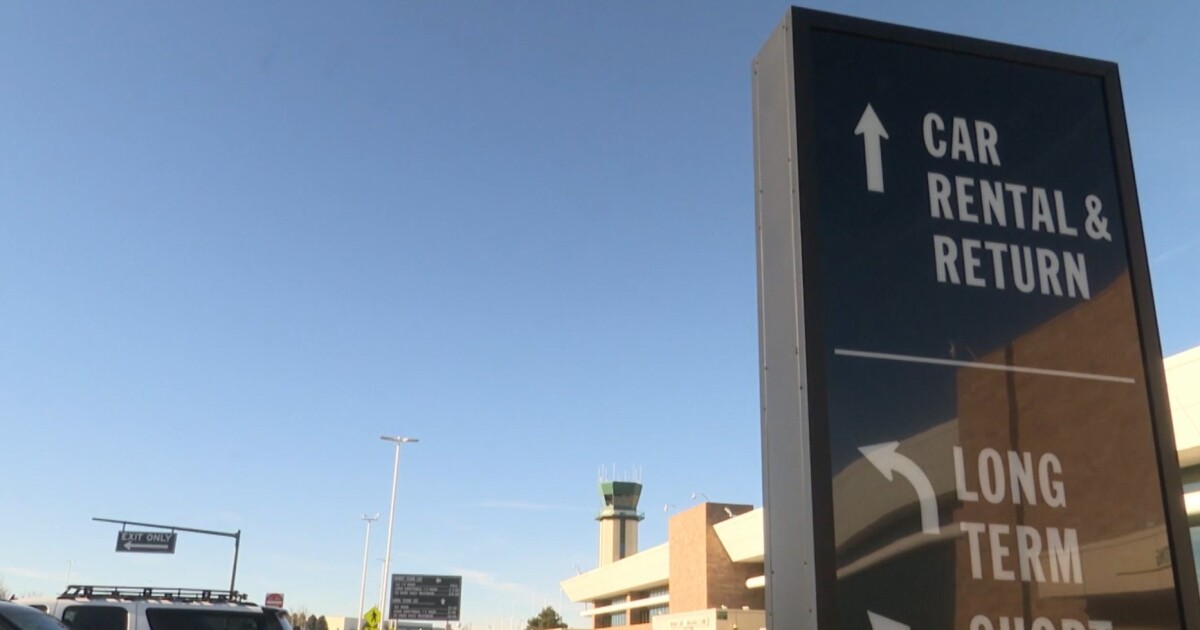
<point>153,592</point>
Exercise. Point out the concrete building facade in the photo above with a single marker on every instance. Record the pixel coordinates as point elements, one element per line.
<point>708,575</point>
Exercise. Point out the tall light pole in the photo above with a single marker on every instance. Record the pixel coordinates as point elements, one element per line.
<point>362,585</point>
<point>387,554</point>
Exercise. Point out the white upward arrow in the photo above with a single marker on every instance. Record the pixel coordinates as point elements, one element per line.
<point>872,130</point>
<point>887,460</point>
<point>879,622</point>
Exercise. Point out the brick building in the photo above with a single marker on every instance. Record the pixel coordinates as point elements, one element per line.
<point>709,573</point>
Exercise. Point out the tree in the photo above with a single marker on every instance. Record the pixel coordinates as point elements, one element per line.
<point>322,624</point>
<point>4,594</point>
<point>298,618</point>
<point>545,620</point>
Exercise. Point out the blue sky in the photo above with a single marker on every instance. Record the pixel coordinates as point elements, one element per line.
<point>239,241</point>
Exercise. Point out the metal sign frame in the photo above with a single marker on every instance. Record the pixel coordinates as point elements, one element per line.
<point>236,536</point>
<point>797,476</point>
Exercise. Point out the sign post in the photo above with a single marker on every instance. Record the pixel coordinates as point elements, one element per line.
<point>425,597</point>
<point>964,416</point>
<point>157,542</point>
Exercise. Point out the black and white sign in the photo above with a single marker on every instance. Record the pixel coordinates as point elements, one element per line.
<point>425,597</point>
<point>146,542</point>
<point>964,410</point>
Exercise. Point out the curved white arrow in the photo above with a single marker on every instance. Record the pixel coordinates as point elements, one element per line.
<point>887,460</point>
<point>879,622</point>
<point>871,129</point>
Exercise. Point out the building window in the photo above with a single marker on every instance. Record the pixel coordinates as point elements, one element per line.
<point>658,592</point>
<point>658,610</point>
<point>617,619</point>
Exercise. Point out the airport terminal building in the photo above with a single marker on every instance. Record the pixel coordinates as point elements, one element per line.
<point>711,566</point>
<point>709,574</point>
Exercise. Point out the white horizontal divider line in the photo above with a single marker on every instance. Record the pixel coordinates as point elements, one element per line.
<point>907,358</point>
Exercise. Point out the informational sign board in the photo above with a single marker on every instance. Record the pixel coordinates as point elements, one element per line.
<point>963,404</point>
<point>425,597</point>
<point>274,600</point>
<point>146,542</point>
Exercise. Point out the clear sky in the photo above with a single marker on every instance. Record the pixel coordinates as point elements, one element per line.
<point>239,241</point>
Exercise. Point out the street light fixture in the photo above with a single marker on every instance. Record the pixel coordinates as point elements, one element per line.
<point>362,585</point>
<point>387,555</point>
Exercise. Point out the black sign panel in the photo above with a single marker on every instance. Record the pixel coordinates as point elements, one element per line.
<point>425,597</point>
<point>988,439</point>
<point>146,542</point>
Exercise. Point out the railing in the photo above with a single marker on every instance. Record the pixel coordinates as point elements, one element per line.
<point>153,592</point>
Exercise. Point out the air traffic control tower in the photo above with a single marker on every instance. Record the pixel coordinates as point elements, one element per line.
<point>619,520</point>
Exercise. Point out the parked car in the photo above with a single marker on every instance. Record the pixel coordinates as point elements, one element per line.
<point>155,608</point>
<point>15,616</point>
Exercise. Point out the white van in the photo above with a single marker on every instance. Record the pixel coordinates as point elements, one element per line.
<point>155,608</point>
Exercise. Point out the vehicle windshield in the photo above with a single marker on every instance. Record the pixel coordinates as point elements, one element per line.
<point>29,618</point>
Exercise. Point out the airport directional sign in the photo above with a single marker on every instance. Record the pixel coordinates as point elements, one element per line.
<point>425,597</point>
<point>146,542</point>
<point>965,420</point>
